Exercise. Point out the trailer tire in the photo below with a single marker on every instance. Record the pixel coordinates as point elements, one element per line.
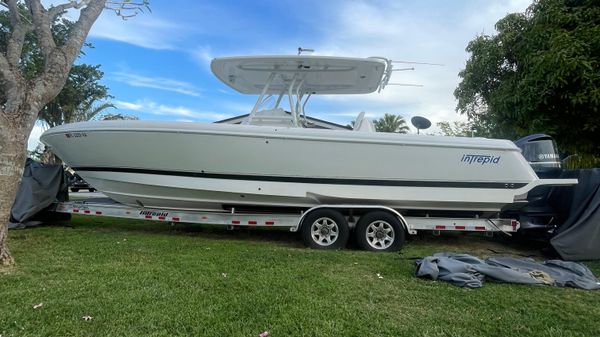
<point>379,231</point>
<point>325,229</point>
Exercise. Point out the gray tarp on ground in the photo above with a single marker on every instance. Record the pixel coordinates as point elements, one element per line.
<point>578,238</point>
<point>464,270</point>
<point>41,185</point>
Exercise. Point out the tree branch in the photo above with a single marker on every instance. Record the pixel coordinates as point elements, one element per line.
<point>17,36</point>
<point>80,30</point>
<point>13,9</point>
<point>5,74</point>
<point>62,58</point>
<point>11,89</point>
<point>42,24</point>
<point>127,9</point>
<point>54,11</point>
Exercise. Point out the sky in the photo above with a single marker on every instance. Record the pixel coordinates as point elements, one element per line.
<point>157,65</point>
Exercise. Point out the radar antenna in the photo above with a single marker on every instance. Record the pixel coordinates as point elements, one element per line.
<point>421,123</point>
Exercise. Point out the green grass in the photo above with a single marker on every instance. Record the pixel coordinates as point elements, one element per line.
<point>148,279</point>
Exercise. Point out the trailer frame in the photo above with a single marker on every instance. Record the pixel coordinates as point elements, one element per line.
<point>293,221</point>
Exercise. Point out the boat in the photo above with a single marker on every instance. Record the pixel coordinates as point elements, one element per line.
<point>274,160</point>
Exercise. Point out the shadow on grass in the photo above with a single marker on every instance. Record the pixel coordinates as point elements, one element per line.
<point>424,242</point>
<point>481,245</point>
<point>273,234</point>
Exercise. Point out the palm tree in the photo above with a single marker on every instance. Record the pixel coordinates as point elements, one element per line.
<point>118,116</point>
<point>54,114</point>
<point>391,123</point>
<point>81,99</point>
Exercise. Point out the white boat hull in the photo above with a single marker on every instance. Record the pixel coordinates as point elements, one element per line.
<point>207,166</point>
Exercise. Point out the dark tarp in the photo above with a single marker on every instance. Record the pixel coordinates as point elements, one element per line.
<point>578,238</point>
<point>41,185</point>
<point>464,270</point>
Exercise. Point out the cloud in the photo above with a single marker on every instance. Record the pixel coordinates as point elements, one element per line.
<point>144,30</point>
<point>203,55</point>
<point>129,106</point>
<point>432,31</point>
<point>160,83</point>
<point>422,32</point>
<point>177,112</point>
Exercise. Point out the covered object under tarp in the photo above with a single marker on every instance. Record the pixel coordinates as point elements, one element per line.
<point>42,184</point>
<point>578,238</point>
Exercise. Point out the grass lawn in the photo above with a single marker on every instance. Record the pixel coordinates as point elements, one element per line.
<point>149,279</point>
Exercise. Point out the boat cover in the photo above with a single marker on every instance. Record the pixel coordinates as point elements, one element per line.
<point>41,185</point>
<point>578,238</point>
<point>468,271</point>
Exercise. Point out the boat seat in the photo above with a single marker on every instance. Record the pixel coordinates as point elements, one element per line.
<point>363,124</point>
<point>271,117</point>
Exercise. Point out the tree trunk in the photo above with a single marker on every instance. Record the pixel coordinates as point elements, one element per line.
<point>21,100</point>
<point>13,142</point>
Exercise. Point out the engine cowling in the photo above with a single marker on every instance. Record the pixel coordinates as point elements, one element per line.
<point>542,154</point>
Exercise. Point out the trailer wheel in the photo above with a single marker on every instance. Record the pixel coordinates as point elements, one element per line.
<point>379,231</point>
<point>325,229</point>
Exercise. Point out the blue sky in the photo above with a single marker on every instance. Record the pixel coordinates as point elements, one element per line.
<point>157,64</point>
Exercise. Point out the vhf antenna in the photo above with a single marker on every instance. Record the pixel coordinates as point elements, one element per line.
<point>386,79</point>
<point>308,50</point>
<point>425,63</point>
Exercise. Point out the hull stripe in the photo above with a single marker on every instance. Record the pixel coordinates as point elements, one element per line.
<point>308,180</point>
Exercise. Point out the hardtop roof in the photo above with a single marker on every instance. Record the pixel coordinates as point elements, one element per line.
<point>320,74</point>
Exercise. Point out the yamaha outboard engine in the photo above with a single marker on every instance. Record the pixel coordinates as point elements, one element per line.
<point>542,154</point>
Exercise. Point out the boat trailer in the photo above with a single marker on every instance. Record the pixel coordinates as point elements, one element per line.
<point>297,221</point>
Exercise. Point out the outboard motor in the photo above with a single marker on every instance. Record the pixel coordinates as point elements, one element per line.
<point>541,153</point>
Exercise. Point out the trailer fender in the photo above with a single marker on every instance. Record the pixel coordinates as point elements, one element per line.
<point>362,207</point>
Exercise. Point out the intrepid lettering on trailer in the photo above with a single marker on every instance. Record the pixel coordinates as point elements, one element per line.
<point>479,159</point>
<point>154,213</point>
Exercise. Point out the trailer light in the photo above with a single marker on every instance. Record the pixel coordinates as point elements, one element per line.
<point>479,228</point>
<point>75,210</point>
<point>235,222</point>
<point>98,213</point>
<point>251,222</point>
<point>175,218</point>
<point>148,216</point>
<point>514,224</point>
<point>440,227</point>
<point>161,218</point>
<point>87,211</point>
<point>460,228</point>
<point>269,223</point>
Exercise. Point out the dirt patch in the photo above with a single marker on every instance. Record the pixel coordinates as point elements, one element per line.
<point>478,244</point>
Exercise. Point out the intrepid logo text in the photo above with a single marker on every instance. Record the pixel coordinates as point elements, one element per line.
<point>154,213</point>
<point>479,159</point>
